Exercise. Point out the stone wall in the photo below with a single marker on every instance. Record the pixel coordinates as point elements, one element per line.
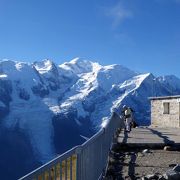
<point>165,120</point>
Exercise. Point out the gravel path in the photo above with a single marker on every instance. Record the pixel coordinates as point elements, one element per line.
<point>131,164</point>
<point>138,164</point>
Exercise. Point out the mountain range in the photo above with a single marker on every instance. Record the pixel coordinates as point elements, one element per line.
<point>46,109</point>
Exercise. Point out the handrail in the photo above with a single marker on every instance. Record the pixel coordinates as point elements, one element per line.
<point>84,162</point>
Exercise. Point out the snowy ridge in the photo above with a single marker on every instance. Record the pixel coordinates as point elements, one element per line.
<point>171,82</point>
<point>130,86</point>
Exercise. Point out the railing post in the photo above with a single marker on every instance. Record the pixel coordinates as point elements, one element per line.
<point>79,163</point>
<point>71,169</point>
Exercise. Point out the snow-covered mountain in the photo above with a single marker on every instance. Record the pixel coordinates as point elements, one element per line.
<point>46,109</point>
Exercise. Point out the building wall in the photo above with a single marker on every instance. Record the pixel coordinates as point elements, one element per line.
<point>165,120</point>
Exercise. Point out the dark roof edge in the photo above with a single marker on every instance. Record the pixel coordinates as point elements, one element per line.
<point>164,97</point>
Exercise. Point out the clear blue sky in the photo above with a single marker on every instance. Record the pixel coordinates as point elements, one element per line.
<point>143,35</point>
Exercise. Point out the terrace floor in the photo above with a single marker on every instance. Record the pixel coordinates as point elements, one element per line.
<point>141,152</point>
<point>150,136</point>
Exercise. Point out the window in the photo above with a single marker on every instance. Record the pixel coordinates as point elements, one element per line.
<point>166,108</point>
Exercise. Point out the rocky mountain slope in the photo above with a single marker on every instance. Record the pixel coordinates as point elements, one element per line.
<point>46,109</point>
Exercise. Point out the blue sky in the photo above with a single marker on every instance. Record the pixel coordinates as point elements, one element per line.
<point>143,35</point>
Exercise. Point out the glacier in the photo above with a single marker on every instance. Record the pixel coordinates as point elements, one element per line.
<point>48,108</point>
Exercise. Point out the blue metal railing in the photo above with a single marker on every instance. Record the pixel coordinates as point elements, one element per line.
<point>84,162</point>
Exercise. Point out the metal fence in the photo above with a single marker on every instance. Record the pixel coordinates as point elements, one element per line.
<point>84,162</point>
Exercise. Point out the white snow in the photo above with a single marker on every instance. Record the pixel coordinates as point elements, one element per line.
<point>2,76</point>
<point>52,104</point>
<point>19,66</point>
<point>22,74</point>
<point>79,66</point>
<point>43,66</point>
<point>130,86</point>
<point>35,119</point>
<point>104,121</point>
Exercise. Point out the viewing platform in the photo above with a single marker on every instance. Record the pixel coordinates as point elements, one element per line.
<point>153,137</point>
<point>145,152</point>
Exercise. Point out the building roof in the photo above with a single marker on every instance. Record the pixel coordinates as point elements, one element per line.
<point>164,97</point>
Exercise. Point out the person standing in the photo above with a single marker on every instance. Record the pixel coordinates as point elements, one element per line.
<point>123,114</point>
<point>128,118</point>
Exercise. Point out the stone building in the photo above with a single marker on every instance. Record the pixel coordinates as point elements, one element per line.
<point>165,111</point>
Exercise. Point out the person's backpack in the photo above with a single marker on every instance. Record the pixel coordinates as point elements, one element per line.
<point>134,124</point>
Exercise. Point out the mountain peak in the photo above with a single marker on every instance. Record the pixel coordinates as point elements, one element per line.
<point>44,65</point>
<point>78,60</point>
<point>81,65</point>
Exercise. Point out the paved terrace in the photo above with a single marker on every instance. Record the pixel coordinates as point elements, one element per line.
<point>128,161</point>
<point>150,136</point>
